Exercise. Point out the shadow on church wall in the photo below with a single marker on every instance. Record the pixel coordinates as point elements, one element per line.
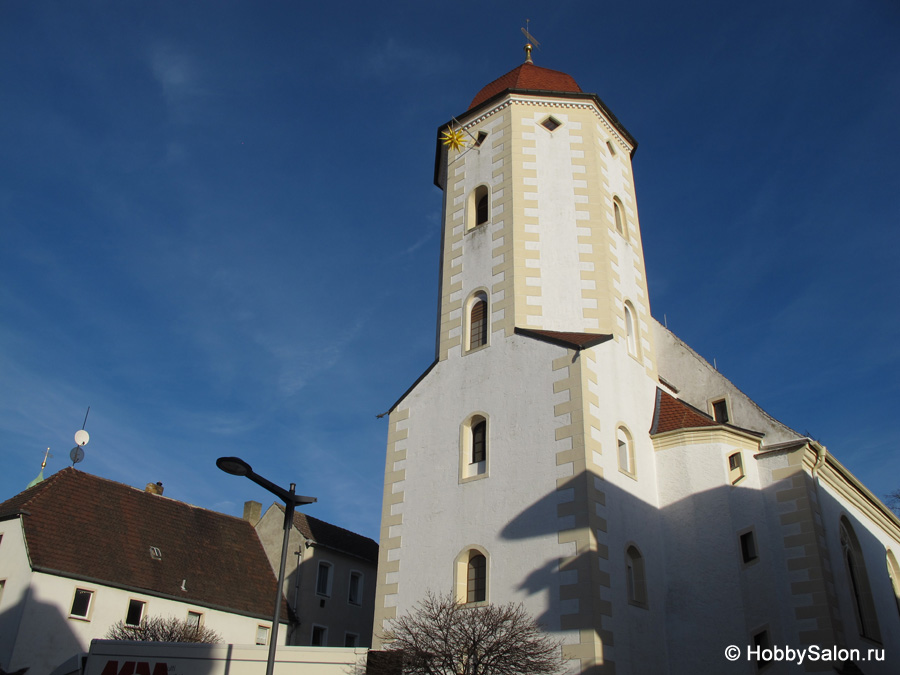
<point>701,595</point>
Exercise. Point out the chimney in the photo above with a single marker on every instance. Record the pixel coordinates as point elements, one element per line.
<point>252,512</point>
<point>154,488</point>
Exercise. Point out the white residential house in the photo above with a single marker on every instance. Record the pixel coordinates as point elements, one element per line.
<point>79,553</point>
<point>566,451</point>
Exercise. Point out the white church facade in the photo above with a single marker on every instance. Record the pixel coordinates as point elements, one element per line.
<point>566,451</point>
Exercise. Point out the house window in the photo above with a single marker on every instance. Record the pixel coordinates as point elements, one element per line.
<point>635,578</point>
<point>262,635</point>
<point>478,207</point>
<point>631,330</point>
<point>860,590</point>
<point>760,643</point>
<point>319,636</point>
<point>476,578</point>
<point>625,451</point>
<point>473,450</point>
<point>720,411</point>
<point>735,467</point>
<point>478,323</point>
<point>351,640</point>
<point>893,573</point>
<point>81,603</point>
<point>618,214</point>
<point>323,579</point>
<point>194,620</point>
<point>354,596</point>
<point>551,123</point>
<point>748,547</point>
<point>135,612</point>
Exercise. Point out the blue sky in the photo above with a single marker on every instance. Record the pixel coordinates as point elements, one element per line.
<point>219,228</point>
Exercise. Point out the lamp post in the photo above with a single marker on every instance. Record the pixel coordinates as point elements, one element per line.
<point>238,467</point>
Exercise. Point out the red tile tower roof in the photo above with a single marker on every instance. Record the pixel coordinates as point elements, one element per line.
<point>528,76</point>
<point>80,526</point>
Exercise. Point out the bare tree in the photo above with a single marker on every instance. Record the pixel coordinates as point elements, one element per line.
<point>892,500</point>
<point>442,637</point>
<point>163,629</point>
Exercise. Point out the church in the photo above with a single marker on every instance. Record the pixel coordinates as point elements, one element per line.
<point>566,451</point>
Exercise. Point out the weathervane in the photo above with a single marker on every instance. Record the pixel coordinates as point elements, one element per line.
<point>531,42</point>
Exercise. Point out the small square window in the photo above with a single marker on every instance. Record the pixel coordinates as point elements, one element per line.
<point>351,640</point>
<point>194,620</point>
<point>135,612</point>
<point>720,411</point>
<point>262,635</point>
<point>481,136</point>
<point>735,467</point>
<point>81,603</point>
<point>748,547</point>
<point>551,123</point>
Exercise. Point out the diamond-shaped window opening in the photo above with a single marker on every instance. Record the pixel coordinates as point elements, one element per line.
<point>481,136</point>
<point>155,553</point>
<point>551,123</point>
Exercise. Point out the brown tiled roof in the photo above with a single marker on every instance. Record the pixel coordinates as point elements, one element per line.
<point>528,76</point>
<point>82,526</point>
<point>672,413</point>
<point>565,338</point>
<point>335,538</point>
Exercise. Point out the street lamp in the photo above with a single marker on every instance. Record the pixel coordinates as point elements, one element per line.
<point>238,467</point>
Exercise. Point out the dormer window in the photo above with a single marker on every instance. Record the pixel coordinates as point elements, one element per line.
<point>720,411</point>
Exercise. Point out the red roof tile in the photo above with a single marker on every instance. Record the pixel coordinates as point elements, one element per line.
<point>82,526</point>
<point>528,76</point>
<point>672,413</point>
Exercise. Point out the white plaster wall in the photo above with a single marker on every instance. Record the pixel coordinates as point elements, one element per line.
<point>511,513</point>
<point>698,383</point>
<point>47,636</point>
<point>15,572</point>
<point>555,194</point>
<point>874,542</point>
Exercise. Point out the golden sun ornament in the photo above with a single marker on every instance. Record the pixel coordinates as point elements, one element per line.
<point>454,139</point>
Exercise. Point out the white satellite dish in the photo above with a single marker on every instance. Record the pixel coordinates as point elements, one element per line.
<point>82,437</point>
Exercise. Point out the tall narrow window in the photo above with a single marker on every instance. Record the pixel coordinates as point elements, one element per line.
<point>620,218</point>
<point>860,590</point>
<point>479,440</point>
<point>478,207</point>
<point>323,579</point>
<point>262,635</point>
<point>735,467</point>
<point>478,323</point>
<point>319,637</point>
<point>625,451</point>
<point>354,595</point>
<point>476,579</point>
<point>631,332</point>
<point>720,411</point>
<point>635,579</point>
<point>748,547</point>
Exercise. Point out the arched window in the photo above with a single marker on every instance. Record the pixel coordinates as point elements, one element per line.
<point>470,575</point>
<point>476,578</point>
<point>478,321</point>
<point>625,451</point>
<point>619,213</point>
<point>479,207</point>
<point>635,577</point>
<point>473,450</point>
<point>863,603</point>
<point>894,574</point>
<point>631,330</point>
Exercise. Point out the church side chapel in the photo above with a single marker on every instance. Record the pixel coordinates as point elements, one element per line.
<point>566,451</point>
